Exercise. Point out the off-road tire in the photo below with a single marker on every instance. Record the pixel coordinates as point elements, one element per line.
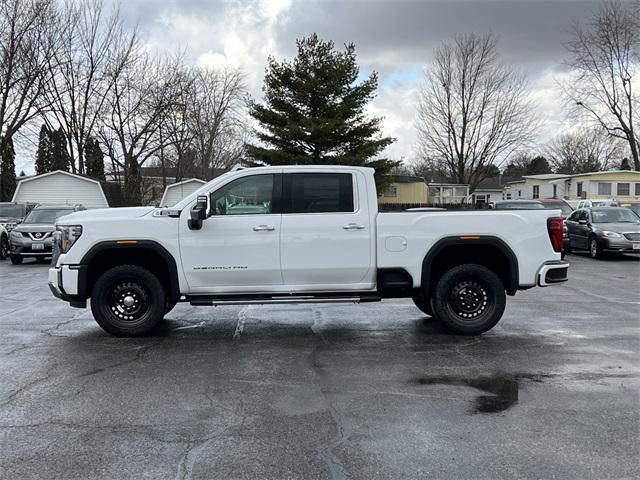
<point>469,299</point>
<point>423,304</point>
<point>128,301</point>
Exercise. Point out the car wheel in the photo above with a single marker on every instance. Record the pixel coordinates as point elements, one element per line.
<point>469,299</point>
<point>16,259</point>
<point>424,305</point>
<point>594,248</point>
<point>4,247</point>
<point>128,300</point>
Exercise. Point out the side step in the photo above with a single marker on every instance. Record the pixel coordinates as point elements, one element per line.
<point>210,300</point>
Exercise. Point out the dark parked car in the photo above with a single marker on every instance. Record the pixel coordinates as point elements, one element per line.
<point>516,205</point>
<point>12,214</point>
<point>34,236</point>
<point>557,203</point>
<point>604,229</point>
<point>633,206</point>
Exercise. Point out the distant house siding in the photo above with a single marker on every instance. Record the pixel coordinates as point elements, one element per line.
<point>176,192</point>
<point>415,192</point>
<point>59,188</point>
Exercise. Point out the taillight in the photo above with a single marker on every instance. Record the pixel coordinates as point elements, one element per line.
<point>555,227</point>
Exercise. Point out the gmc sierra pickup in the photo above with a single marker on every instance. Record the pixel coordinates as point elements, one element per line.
<point>300,234</point>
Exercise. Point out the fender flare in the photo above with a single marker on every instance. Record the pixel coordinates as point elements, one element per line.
<point>174,284</point>
<point>514,278</point>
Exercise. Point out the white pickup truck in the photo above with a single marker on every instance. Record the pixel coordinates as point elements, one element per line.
<point>300,234</point>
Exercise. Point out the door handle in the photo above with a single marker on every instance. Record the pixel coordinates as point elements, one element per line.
<point>353,226</point>
<point>263,228</point>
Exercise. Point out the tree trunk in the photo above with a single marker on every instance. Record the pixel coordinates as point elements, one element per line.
<point>132,182</point>
<point>634,154</point>
<point>7,170</point>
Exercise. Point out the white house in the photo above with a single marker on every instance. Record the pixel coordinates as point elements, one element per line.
<point>177,191</point>
<point>64,188</point>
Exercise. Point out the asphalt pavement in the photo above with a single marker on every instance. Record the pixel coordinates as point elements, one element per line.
<point>326,391</point>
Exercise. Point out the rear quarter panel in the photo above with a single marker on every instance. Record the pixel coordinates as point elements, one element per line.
<point>524,231</point>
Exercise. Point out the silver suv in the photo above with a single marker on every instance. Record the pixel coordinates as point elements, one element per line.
<point>34,236</point>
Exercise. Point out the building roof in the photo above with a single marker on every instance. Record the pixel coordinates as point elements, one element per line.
<point>495,183</point>
<point>112,191</point>
<point>604,172</point>
<point>546,176</point>
<point>407,179</point>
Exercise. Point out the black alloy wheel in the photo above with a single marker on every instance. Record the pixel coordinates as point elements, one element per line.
<point>128,300</point>
<point>469,299</point>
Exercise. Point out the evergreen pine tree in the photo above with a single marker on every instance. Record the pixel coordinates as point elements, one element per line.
<point>314,111</point>
<point>7,169</point>
<point>60,159</point>
<point>44,153</point>
<point>94,159</point>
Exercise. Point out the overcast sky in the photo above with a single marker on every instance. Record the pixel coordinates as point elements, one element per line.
<point>394,38</point>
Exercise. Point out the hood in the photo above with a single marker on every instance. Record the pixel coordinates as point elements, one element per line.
<point>618,227</point>
<point>98,214</point>
<point>34,227</point>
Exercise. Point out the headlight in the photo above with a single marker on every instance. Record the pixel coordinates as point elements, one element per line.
<point>611,234</point>
<point>15,236</point>
<point>66,236</point>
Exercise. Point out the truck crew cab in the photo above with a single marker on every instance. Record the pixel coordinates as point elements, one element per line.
<point>300,234</point>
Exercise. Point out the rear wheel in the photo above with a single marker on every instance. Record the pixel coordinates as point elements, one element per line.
<point>128,300</point>
<point>4,247</point>
<point>469,299</point>
<point>16,259</point>
<point>423,304</point>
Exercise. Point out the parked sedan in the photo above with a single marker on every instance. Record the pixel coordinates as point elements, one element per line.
<point>34,237</point>
<point>608,229</point>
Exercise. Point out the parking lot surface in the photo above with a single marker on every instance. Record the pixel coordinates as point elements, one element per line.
<point>326,391</point>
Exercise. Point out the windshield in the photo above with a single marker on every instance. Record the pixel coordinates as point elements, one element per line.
<point>11,210</point>
<point>611,215</point>
<point>518,205</point>
<point>46,215</point>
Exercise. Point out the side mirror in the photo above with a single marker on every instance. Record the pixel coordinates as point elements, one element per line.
<point>199,212</point>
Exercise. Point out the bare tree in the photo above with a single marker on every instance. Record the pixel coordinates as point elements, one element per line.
<point>589,150</point>
<point>94,47</point>
<point>143,95</point>
<point>26,40</point>
<point>216,123</point>
<point>604,58</point>
<point>473,111</point>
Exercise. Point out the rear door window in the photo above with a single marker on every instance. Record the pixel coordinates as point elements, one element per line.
<point>318,193</point>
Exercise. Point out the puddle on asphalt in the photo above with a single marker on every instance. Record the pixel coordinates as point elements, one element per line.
<point>503,389</point>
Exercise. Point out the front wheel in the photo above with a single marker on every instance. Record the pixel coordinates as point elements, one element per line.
<point>128,301</point>
<point>594,249</point>
<point>424,305</point>
<point>469,299</point>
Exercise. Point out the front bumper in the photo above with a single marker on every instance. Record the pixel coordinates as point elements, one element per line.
<point>24,247</point>
<point>67,283</point>
<point>621,245</point>
<point>553,272</point>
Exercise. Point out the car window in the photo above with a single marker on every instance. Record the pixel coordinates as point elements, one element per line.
<point>46,215</point>
<point>251,195</point>
<point>614,215</point>
<point>574,216</point>
<point>318,193</point>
